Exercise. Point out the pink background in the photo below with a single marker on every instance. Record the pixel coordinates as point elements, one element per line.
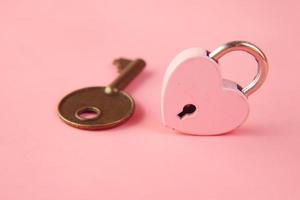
<point>51,47</point>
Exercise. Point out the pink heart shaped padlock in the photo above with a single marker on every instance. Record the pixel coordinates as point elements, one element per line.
<point>195,98</point>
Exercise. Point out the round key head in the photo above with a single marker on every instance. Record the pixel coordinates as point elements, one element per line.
<point>93,109</point>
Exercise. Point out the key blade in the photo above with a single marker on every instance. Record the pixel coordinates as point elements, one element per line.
<point>121,63</point>
<point>126,76</point>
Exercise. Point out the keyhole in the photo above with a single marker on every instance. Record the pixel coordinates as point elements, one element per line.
<point>187,110</point>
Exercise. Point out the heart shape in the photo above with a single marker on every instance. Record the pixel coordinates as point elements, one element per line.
<point>194,79</point>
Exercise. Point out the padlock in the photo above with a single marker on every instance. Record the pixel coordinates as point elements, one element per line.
<point>197,100</point>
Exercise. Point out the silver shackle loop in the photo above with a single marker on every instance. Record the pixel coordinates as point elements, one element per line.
<point>259,56</point>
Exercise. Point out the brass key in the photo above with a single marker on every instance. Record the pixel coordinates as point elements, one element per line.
<point>96,108</point>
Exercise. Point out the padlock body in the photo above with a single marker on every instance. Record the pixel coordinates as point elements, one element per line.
<point>194,78</point>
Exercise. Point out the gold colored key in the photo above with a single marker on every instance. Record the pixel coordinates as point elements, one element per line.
<point>96,108</point>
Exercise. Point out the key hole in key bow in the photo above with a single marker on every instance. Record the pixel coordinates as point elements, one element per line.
<point>187,110</point>
<point>87,113</point>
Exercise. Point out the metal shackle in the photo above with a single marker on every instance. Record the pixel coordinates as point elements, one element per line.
<point>253,50</point>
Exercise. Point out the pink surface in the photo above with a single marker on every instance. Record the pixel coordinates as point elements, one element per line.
<point>194,78</point>
<point>52,47</point>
